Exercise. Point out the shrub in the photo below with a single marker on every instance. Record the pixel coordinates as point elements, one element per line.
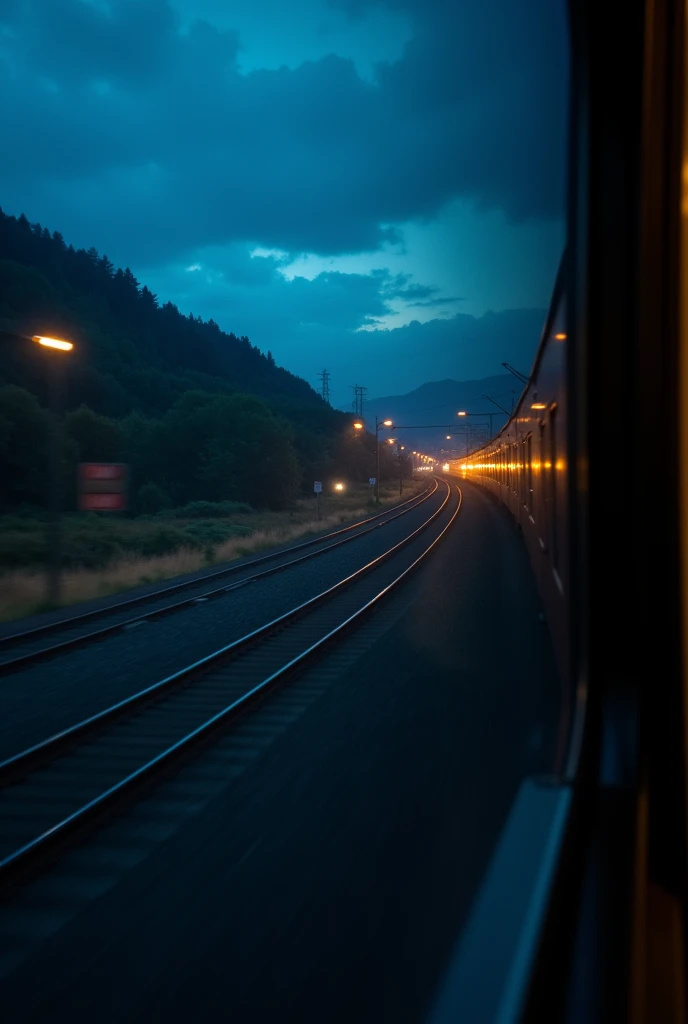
<point>151,499</point>
<point>207,510</point>
<point>19,548</point>
<point>164,540</point>
<point>214,531</point>
<point>90,547</point>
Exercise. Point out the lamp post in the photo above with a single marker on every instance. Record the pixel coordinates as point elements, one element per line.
<point>54,530</point>
<point>378,424</point>
<point>490,414</point>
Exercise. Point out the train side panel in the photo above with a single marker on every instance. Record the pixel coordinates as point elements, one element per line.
<point>525,467</point>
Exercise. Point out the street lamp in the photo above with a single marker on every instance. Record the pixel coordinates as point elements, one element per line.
<point>64,346</point>
<point>54,531</point>
<point>358,425</point>
<point>378,424</point>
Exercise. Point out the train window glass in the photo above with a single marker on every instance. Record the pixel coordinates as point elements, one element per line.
<point>440,128</point>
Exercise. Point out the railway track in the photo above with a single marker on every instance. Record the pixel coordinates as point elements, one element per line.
<point>70,780</point>
<point>22,649</point>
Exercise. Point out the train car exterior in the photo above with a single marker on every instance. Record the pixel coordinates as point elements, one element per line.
<point>525,467</point>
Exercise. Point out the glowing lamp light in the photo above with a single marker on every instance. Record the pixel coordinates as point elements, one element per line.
<point>386,423</point>
<point>358,425</point>
<point>538,405</point>
<point>64,346</point>
<point>339,487</point>
<point>560,337</point>
<point>461,414</point>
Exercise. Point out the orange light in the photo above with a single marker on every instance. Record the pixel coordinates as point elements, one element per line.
<point>560,337</point>
<point>358,426</point>
<point>538,405</point>
<point>64,346</point>
<point>461,414</point>
<point>386,423</point>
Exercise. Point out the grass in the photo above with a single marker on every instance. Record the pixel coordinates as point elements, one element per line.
<point>22,588</point>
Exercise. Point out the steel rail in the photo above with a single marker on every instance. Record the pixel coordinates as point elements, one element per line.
<point>22,764</point>
<point>34,656</point>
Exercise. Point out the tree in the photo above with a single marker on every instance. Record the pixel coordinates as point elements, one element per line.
<point>98,438</point>
<point>151,499</point>
<point>24,429</point>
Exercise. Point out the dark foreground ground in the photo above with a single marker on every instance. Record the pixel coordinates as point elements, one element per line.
<point>328,880</point>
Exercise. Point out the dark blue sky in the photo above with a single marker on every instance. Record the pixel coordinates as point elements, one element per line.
<point>353,184</point>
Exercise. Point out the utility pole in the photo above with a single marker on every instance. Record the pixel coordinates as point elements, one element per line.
<point>377,461</point>
<point>324,377</point>
<point>359,395</point>
<point>56,483</point>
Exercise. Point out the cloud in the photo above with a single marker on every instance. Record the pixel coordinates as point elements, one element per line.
<point>432,303</point>
<point>151,130</point>
<point>331,320</point>
<point>250,295</point>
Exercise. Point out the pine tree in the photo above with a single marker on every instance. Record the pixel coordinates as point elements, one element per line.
<point>106,265</point>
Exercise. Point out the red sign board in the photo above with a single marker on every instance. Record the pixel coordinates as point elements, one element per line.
<point>103,471</point>
<point>103,502</point>
<point>103,486</point>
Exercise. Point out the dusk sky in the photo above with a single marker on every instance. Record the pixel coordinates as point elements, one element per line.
<point>372,187</point>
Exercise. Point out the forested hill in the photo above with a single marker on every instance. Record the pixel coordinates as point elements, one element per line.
<point>131,352</point>
<point>197,413</point>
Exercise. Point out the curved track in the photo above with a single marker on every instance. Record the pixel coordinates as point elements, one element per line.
<point>61,784</point>
<point>22,649</point>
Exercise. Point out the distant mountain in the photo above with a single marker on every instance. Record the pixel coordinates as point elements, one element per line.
<point>433,408</point>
